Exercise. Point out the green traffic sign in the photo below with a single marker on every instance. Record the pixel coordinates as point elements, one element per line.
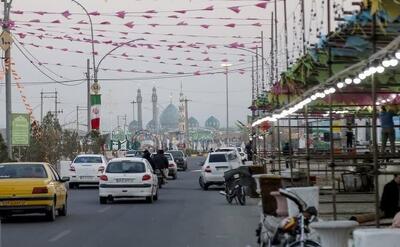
<point>20,129</point>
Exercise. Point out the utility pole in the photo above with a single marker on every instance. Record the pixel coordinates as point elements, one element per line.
<point>257,74</point>
<point>7,60</point>
<point>186,122</point>
<point>276,42</point>
<point>262,62</point>
<point>272,50</point>
<point>49,95</point>
<point>78,108</point>
<point>88,96</point>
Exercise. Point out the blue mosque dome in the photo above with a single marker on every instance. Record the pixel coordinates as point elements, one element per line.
<point>212,123</point>
<point>169,118</point>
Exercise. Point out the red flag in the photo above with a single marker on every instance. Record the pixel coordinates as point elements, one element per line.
<point>129,24</point>
<point>232,25</point>
<point>173,16</point>
<point>40,12</point>
<point>151,11</point>
<point>105,23</point>
<point>205,26</point>
<point>210,8</point>
<point>82,22</point>
<point>181,11</point>
<point>56,21</point>
<point>235,9</point>
<point>95,13</point>
<point>66,14</point>
<point>262,5</point>
<point>121,14</point>
<point>147,16</point>
<point>35,20</point>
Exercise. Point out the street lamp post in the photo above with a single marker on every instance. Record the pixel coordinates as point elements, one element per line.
<point>226,66</point>
<point>94,65</point>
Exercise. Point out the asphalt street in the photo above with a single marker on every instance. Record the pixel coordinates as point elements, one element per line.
<point>184,216</point>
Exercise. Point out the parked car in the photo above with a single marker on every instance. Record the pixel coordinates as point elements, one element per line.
<point>30,187</point>
<point>86,169</point>
<point>134,153</point>
<point>212,171</point>
<point>128,178</point>
<point>179,158</point>
<point>231,149</point>
<point>172,166</point>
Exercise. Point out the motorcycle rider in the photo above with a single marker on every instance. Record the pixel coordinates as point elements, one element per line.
<point>161,162</point>
<point>147,156</point>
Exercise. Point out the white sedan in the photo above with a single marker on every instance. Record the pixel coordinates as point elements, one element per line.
<point>128,178</point>
<point>172,166</point>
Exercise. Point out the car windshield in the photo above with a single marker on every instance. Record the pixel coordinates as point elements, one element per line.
<point>177,154</point>
<point>216,158</point>
<point>126,167</point>
<point>22,171</point>
<point>88,159</point>
<point>168,156</point>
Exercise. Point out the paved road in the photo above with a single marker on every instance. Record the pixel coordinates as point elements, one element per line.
<point>184,216</point>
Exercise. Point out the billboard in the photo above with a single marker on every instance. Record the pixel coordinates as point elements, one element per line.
<point>20,129</point>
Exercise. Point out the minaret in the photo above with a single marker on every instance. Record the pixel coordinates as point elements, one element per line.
<point>155,111</point>
<point>139,101</point>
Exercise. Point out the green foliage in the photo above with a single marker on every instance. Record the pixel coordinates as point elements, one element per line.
<point>94,142</point>
<point>70,144</point>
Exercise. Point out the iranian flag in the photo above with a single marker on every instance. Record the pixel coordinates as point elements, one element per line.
<point>95,110</point>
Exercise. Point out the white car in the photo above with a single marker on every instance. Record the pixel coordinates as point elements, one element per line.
<point>128,178</point>
<point>231,149</point>
<point>172,166</point>
<point>86,169</point>
<point>212,171</point>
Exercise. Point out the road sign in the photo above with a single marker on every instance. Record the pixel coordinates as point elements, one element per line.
<point>20,128</point>
<point>5,40</point>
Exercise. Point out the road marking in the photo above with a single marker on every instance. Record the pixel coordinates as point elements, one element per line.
<point>195,171</point>
<point>104,209</point>
<point>59,236</point>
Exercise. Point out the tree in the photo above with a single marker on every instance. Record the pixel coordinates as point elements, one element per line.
<point>70,144</point>
<point>45,142</point>
<point>94,142</point>
<point>3,150</point>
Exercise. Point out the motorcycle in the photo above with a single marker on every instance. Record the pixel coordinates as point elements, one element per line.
<point>160,177</point>
<point>236,182</point>
<point>290,231</point>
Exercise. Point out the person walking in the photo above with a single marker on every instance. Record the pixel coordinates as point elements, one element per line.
<point>390,202</point>
<point>161,162</point>
<point>349,138</point>
<point>147,156</point>
<point>387,126</point>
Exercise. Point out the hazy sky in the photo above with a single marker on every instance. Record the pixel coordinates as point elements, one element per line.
<point>207,93</point>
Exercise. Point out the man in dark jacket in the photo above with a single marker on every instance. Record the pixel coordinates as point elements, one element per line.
<point>161,162</point>
<point>390,202</point>
<point>147,156</point>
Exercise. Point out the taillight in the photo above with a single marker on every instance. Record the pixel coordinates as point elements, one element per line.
<point>101,169</point>
<point>72,168</point>
<point>40,190</point>
<point>208,169</point>
<point>103,178</point>
<point>146,177</point>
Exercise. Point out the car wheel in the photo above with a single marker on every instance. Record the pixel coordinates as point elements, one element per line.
<point>175,176</point>
<point>201,182</point>
<point>51,213</point>
<point>149,199</point>
<point>71,186</point>
<point>64,210</point>
<point>103,200</point>
<point>155,197</point>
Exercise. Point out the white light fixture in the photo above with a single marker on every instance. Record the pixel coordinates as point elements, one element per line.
<point>322,95</point>
<point>367,73</point>
<point>397,55</point>
<point>357,80</point>
<point>362,76</point>
<point>386,62</point>
<point>377,103</point>
<point>313,97</point>
<point>372,70</point>
<point>340,85</point>
<point>332,90</point>
<point>326,91</point>
<point>383,101</point>
<point>348,81</point>
<point>394,62</point>
<point>308,100</point>
<point>380,69</point>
